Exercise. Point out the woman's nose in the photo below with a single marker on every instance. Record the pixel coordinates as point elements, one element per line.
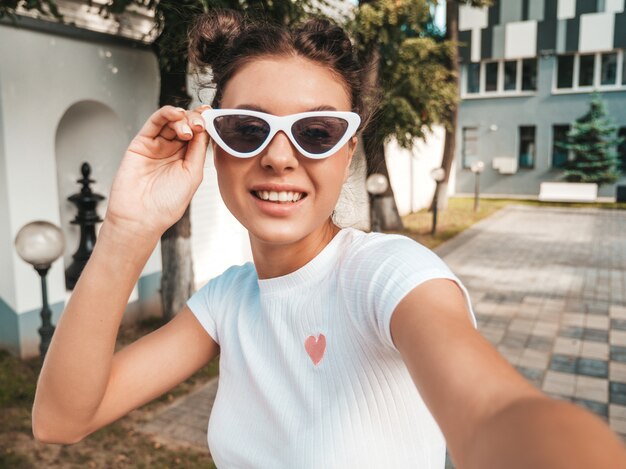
<point>280,155</point>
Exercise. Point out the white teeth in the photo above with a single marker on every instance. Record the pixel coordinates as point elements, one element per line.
<point>282,196</point>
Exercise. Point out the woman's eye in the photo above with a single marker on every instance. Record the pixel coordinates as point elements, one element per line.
<point>251,130</point>
<point>317,133</point>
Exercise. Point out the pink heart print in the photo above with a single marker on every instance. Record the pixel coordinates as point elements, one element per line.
<point>315,347</point>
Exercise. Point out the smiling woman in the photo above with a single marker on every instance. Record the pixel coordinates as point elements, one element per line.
<point>338,348</point>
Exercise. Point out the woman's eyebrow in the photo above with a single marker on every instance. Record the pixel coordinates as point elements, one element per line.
<point>323,108</point>
<point>254,107</point>
<point>251,107</point>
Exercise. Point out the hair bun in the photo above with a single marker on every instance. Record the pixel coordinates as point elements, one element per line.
<point>325,35</point>
<point>212,34</point>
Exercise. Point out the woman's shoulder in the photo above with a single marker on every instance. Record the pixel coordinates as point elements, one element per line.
<point>361,245</point>
<point>234,276</point>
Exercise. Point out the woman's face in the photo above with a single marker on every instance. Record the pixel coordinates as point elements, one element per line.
<point>283,86</point>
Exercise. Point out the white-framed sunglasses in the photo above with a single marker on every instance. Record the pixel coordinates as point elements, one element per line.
<point>244,134</point>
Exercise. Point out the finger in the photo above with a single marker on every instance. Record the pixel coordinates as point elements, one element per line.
<point>180,128</point>
<point>195,121</point>
<point>159,119</point>
<point>196,154</point>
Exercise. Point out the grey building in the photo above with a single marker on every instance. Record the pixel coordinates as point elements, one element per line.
<point>528,68</point>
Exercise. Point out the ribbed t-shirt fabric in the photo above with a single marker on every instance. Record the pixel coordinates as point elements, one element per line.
<point>309,375</point>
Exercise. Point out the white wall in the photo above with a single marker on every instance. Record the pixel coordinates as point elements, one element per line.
<point>38,85</point>
<point>409,171</point>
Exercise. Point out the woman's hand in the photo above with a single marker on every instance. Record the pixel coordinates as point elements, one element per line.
<point>160,172</point>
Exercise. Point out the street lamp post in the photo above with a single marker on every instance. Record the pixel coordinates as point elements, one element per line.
<point>40,243</point>
<point>477,168</point>
<point>376,185</point>
<point>438,174</point>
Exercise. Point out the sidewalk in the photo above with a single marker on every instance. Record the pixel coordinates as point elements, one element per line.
<point>548,287</point>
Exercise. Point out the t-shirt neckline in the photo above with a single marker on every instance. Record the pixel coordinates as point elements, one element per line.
<point>310,272</point>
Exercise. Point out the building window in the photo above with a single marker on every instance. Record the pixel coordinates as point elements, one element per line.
<point>470,146</point>
<point>529,75</point>
<point>585,69</point>
<point>579,72</point>
<point>621,149</point>
<point>504,78</point>
<point>526,146</point>
<point>473,77</point>
<point>565,71</point>
<point>608,72</point>
<point>491,76</point>
<point>560,157</point>
<point>510,75</point>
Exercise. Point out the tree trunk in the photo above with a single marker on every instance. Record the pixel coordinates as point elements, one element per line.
<point>177,279</point>
<point>449,147</point>
<point>374,146</point>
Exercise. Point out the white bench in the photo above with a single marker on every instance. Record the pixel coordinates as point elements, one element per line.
<point>568,192</point>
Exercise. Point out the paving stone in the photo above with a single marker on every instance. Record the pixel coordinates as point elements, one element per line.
<point>563,363</point>
<point>617,411</point>
<point>597,350</point>
<point>573,319</point>
<point>597,335</point>
<point>617,338</point>
<point>617,371</point>
<point>597,322</point>
<point>543,344</point>
<point>617,312</point>
<point>617,393</point>
<point>567,346</point>
<point>618,425</point>
<point>592,367</point>
<point>618,353</point>
<point>572,332</point>
<point>618,324</point>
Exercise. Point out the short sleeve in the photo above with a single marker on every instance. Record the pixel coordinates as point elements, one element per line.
<point>212,302</point>
<point>202,307</point>
<point>383,270</point>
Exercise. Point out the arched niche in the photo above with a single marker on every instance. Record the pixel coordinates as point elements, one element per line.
<point>91,132</point>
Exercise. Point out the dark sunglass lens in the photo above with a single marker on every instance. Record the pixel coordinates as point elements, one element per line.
<point>242,133</point>
<point>317,135</point>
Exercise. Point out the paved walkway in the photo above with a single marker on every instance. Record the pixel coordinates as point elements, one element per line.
<point>549,289</point>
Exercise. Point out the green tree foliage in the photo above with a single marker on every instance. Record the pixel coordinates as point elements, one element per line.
<point>413,85</point>
<point>45,7</point>
<point>593,140</point>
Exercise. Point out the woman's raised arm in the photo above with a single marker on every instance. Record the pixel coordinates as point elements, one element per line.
<point>490,415</point>
<point>82,385</point>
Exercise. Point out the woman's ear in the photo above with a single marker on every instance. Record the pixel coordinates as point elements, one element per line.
<point>352,143</point>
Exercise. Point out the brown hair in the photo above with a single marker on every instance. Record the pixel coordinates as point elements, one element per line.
<point>224,40</point>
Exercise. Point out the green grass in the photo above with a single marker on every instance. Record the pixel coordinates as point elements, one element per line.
<point>116,445</point>
<point>460,215</point>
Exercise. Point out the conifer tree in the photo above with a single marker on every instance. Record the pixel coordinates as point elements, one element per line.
<point>593,140</point>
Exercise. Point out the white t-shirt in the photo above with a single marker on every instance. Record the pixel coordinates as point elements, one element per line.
<point>309,375</point>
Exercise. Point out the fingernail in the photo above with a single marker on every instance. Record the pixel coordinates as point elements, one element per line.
<point>187,130</point>
<point>198,122</point>
<point>180,109</point>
